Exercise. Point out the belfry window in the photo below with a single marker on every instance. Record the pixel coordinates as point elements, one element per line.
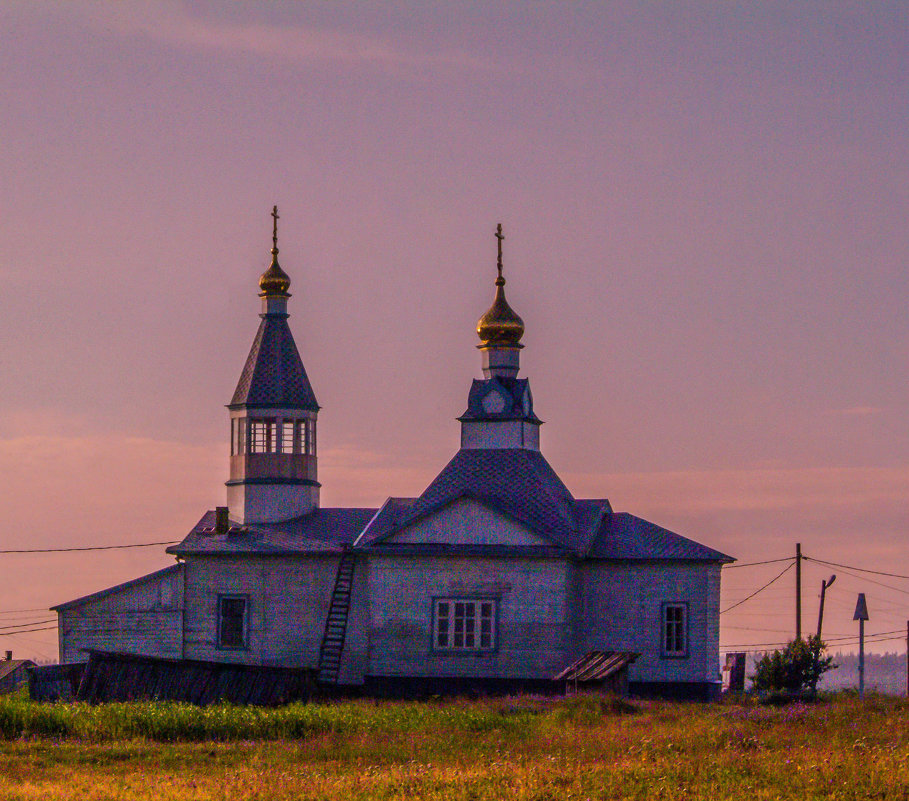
<point>263,436</point>
<point>286,444</point>
<point>257,436</point>
<point>241,436</point>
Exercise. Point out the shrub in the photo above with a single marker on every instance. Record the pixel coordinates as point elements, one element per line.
<point>795,669</point>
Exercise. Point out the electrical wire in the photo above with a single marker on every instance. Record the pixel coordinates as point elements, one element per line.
<point>90,548</point>
<point>760,589</point>
<point>26,625</point>
<point>27,631</point>
<point>853,567</point>
<point>766,562</point>
<point>864,578</point>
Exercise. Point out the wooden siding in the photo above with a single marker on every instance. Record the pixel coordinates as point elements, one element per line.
<point>620,608</point>
<point>534,628</point>
<point>143,617</point>
<point>467,522</point>
<point>288,603</point>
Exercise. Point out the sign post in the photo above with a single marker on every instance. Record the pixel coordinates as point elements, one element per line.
<point>861,615</point>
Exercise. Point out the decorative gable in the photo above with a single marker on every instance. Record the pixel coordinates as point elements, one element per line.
<point>466,521</point>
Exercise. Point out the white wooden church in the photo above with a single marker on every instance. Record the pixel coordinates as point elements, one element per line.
<point>494,576</point>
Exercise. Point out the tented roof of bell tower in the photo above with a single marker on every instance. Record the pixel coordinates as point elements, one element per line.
<point>274,376</point>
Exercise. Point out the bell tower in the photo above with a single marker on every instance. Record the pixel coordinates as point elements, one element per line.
<point>273,462</point>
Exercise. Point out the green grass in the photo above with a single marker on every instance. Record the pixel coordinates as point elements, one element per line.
<point>516,748</point>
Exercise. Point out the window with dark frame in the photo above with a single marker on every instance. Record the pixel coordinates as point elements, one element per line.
<point>464,624</point>
<point>232,621</point>
<point>675,630</point>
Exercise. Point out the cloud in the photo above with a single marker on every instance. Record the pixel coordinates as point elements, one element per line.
<point>172,23</point>
<point>857,411</point>
<point>779,490</point>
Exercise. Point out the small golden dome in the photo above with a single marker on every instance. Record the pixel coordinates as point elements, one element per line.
<point>500,326</point>
<point>274,280</point>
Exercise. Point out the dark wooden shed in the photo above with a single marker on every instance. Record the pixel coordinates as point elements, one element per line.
<point>13,673</point>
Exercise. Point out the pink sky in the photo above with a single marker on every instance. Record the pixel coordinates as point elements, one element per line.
<point>705,208</point>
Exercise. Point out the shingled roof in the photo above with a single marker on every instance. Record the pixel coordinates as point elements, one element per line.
<point>325,531</point>
<point>521,484</point>
<point>518,482</point>
<point>273,376</point>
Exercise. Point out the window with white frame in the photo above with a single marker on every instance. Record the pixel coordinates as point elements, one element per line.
<point>464,624</point>
<point>675,630</point>
<point>233,621</point>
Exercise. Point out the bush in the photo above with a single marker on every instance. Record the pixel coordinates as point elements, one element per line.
<point>795,669</point>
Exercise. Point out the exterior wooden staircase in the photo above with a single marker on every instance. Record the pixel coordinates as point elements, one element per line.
<point>336,624</point>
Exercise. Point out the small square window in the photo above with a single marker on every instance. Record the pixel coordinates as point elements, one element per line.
<point>233,625</point>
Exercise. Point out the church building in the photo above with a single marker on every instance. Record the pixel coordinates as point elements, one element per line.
<point>495,576</point>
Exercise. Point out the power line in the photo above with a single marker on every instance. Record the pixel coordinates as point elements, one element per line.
<point>26,625</point>
<point>760,589</point>
<point>766,562</point>
<point>872,581</point>
<point>852,567</point>
<point>27,631</point>
<point>91,548</point>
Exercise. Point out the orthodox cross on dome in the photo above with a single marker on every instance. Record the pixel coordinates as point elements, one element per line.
<point>500,236</point>
<point>274,233</point>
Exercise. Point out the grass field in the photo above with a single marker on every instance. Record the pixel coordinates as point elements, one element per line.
<point>517,748</point>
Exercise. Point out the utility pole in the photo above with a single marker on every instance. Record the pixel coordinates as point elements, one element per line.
<point>861,615</point>
<point>820,612</point>
<point>907,657</point>
<point>798,591</point>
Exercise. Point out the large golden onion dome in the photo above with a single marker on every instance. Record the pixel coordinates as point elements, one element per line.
<point>274,281</point>
<point>500,326</point>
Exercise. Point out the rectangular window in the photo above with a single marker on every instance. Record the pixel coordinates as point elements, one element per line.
<point>232,621</point>
<point>287,436</point>
<point>464,624</point>
<point>271,436</point>
<point>233,436</point>
<point>301,437</point>
<point>675,630</point>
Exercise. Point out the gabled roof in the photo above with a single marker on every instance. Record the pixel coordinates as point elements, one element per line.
<point>324,531</point>
<point>518,482</point>
<point>522,485</point>
<point>273,376</point>
<point>8,666</point>
<point>158,574</point>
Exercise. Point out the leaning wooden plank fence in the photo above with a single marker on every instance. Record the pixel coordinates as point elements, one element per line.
<point>110,676</point>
